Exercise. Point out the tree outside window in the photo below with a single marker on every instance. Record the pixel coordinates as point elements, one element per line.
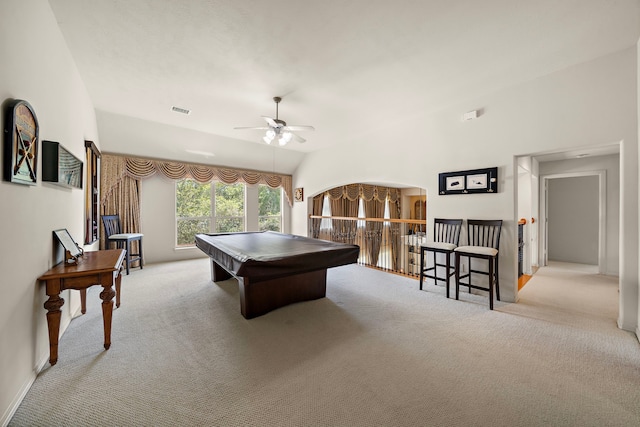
<point>269,208</point>
<point>193,210</point>
<point>220,208</point>
<point>229,208</point>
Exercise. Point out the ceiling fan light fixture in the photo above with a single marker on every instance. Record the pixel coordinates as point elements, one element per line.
<point>285,138</point>
<point>269,136</point>
<point>279,129</point>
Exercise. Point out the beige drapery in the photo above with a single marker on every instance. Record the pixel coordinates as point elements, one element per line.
<point>120,195</point>
<point>318,201</point>
<point>139,168</point>
<point>343,230</point>
<point>373,208</point>
<point>344,202</point>
<point>366,191</point>
<point>120,183</point>
<point>394,213</point>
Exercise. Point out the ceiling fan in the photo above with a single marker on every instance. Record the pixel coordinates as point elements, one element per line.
<point>278,129</point>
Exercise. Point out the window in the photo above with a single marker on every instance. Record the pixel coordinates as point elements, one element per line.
<point>193,210</point>
<point>269,208</point>
<point>229,208</point>
<point>222,208</point>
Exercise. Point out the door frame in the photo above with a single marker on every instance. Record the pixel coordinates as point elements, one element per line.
<point>543,255</point>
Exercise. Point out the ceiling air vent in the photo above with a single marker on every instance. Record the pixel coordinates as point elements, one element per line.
<point>180,110</point>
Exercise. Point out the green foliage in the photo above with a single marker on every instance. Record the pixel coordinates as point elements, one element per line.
<point>229,200</point>
<point>269,208</point>
<point>269,200</point>
<point>270,223</point>
<point>188,228</point>
<point>193,199</point>
<point>193,210</point>
<point>229,225</point>
<point>229,208</point>
<point>194,215</point>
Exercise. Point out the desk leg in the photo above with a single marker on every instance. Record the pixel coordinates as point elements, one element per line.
<point>118,280</point>
<point>53,305</point>
<point>83,301</point>
<point>107,311</point>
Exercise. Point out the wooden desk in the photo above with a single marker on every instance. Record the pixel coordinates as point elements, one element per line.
<point>93,268</point>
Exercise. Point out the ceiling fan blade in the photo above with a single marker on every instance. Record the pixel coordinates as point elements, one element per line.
<point>298,138</point>
<point>257,128</point>
<point>271,122</point>
<point>299,128</point>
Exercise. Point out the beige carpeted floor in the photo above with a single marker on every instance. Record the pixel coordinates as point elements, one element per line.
<point>375,352</point>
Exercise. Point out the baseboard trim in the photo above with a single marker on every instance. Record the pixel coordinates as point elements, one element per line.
<point>13,407</point>
<point>15,404</point>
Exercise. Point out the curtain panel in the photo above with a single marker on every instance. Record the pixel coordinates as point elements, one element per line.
<point>139,168</point>
<point>368,192</point>
<point>120,178</point>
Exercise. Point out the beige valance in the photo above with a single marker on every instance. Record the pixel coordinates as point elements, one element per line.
<point>368,192</point>
<point>116,167</point>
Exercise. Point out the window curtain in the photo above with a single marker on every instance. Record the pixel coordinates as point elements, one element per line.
<point>344,230</point>
<point>373,208</point>
<point>394,213</point>
<point>120,195</point>
<point>316,211</point>
<point>120,178</point>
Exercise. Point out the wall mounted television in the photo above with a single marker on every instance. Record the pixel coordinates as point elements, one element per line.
<point>59,166</point>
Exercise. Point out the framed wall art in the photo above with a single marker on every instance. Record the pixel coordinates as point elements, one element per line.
<point>20,143</point>
<point>469,182</point>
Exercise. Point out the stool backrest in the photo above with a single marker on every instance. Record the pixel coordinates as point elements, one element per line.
<point>447,230</point>
<point>111,224</point>
<point>481,232</point>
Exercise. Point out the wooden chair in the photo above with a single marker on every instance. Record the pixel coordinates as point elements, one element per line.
<point>484,240</point>
<point>114,234</point>
<point>446,236</point>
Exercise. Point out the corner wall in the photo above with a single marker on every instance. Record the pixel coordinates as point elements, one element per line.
<point>594,103</point>
<point>36,67</point>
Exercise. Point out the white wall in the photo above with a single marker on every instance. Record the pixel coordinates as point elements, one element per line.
<point>38,68</point>
<point>589,104</point>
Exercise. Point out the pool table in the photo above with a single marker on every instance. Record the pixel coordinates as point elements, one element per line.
<point>274,269</point>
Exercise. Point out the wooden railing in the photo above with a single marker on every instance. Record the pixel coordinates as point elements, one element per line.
<point>388,244</point>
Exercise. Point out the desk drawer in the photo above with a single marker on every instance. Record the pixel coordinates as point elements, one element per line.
<point>81,282</point>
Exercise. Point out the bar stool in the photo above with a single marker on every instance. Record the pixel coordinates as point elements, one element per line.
<point>446,236</point>
<point>114,234</point>
<point>484,240</point>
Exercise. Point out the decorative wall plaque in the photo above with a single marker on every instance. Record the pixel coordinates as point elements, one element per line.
<point>469,182</point>
<point>298,195</point>
<point>20,143</point>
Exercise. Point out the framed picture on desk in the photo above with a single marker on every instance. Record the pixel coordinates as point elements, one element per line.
<point>71,248</point>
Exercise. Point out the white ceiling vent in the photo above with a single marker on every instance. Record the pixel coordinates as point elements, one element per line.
<point>181,110</point>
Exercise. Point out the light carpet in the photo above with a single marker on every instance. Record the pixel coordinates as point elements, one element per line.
<point>375,352</point>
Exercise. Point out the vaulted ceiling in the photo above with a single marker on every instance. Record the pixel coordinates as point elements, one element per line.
<point>348,68</point>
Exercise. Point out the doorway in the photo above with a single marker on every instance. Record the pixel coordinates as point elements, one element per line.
<point>574,217</point>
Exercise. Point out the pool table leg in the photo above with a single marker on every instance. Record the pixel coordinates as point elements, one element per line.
<point>262,296</point>
<point>218,274</point>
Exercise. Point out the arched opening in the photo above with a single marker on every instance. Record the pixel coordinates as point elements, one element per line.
<point>387,222</point>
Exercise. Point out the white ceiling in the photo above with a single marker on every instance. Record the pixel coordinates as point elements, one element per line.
<point>347,68</point>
